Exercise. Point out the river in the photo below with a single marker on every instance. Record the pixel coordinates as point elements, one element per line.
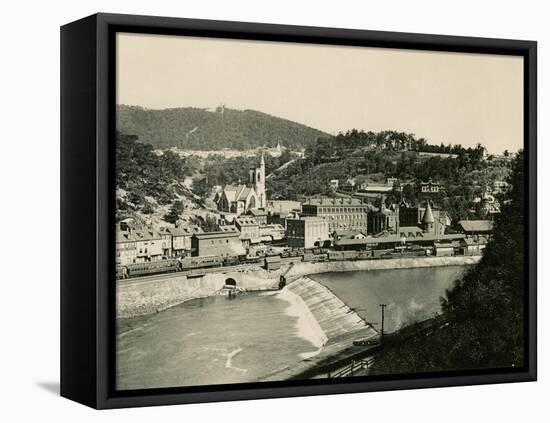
<point>218,341</point>
<point>210,341</point>
<point>410,294</point>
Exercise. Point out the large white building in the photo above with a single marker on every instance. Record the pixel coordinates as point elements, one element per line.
<point>241,198</point>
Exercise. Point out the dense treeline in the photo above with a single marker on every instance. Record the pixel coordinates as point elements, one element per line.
<point>381,155</point>
<point>141,173</point>
<point>484,311</point>
<point>333,147</point>
<point>200,129</point>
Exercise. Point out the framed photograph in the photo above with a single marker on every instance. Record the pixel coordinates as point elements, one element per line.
<point>258,211</point>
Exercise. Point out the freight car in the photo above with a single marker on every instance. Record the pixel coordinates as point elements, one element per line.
<point>231,261</point>
<point>382,253</point>
<point>315,258</point>
<point>149,268</point>
<point>189,263</point>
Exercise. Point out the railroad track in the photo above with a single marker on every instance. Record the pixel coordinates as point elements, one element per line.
<point>191,272</point>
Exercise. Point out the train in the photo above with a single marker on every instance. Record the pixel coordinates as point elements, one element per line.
<point>311,255</point>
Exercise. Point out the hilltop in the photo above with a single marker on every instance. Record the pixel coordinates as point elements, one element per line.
<point>202,129</point>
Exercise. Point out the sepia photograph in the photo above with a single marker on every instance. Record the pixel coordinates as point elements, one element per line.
<point>291,211</point>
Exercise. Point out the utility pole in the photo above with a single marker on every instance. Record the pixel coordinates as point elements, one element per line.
<point>382,307</point>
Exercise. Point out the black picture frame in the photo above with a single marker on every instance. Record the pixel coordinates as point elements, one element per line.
<point>87,208</point>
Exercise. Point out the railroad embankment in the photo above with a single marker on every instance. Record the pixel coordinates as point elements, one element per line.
<point>142,296</point>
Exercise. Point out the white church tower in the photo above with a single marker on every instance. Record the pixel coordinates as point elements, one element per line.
<point>259,184</point>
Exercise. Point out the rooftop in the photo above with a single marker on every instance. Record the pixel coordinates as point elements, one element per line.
<point>257,212</point>
<point>246,221</point>
<point>222,234</point>
<point>181,230</point>
<point>476,225</point>
<point>326,201</point>
<point>228,229</point>
<point>396,239</point>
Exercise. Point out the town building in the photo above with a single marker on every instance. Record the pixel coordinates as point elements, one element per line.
<point>474,245</point>
<point>178,240</point>
<point>383,219</point>
<point>486,206</point>
<point>239,199</point>
<point>228,229</point>
<point>283,207</point>
<point>273,262</point>
<point>414,216</point>
<point>430,187</point>
<point>307,232</point>
<point>445,249</point>
<point>222,244</point>
<point>272,232</point>
<point>498,187</point>
<point>280,210</point>
<point>392,241</point>
<point>476,227</point>
<point>249,229</point>
<point>260,216</point>
<point>126,252</point>
<point>340,213</point>
<point>150,245</point>
<point>348,234</point>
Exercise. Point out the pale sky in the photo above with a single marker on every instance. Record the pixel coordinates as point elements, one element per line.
<point>444,97</point>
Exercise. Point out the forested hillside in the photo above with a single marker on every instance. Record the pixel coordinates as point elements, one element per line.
<point>484,312</point>
<point>379,155</point>
<point>200,129</point>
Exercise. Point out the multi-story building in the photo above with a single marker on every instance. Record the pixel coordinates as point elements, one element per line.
<point>138,244</point>
<point>272,232</point>
<point>249,229</point>
<point>259,215</point>
<point>150,245</point>
<point>126,252</point>
<point>383,219</point>
<point>217,244</point>
<point>414,216</point>
<point>178,240</point>
<point>430,187</point>
<point>283,207</point>
<point>340,213</point>
<point>307,232</point>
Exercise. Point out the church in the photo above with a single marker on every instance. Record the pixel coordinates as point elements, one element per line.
<point>241,198</point>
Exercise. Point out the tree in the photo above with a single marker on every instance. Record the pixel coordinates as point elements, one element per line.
<point>200,187</point>
<point>175,212</point>
<point>483,312</point>
<point>209,224</point>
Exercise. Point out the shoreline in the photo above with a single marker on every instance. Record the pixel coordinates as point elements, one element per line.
<point>141,298</point>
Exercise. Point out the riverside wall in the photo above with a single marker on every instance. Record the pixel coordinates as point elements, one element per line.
<point>150,295</point>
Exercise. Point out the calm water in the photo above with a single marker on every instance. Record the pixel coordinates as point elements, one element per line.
<point>410,294</point>
<point>216,340</point>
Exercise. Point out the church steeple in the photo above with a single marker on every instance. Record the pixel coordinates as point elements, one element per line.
<point>259,183</point>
